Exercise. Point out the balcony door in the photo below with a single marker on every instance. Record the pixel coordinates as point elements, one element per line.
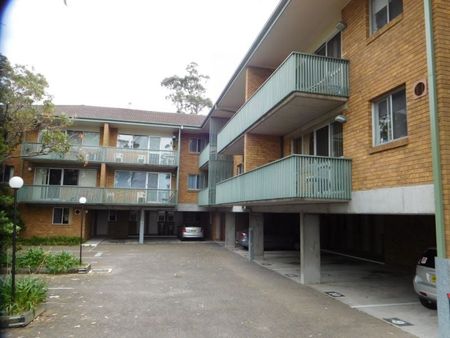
<point>159,185</point>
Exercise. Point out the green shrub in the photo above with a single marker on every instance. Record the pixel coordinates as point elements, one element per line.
<point>30,292</point>
<point>60,262</point>
<point>55,240</point>
<point>32,259</point>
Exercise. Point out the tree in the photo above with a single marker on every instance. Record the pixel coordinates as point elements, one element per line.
<point>25,106</point>
<point>188,91</point>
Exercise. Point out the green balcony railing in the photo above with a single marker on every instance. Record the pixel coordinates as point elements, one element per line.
<point>306,73</point>
<point>141,156</point>
<point>293,177</point>
<point>204,156</point>
<point>76,153</point>
<point>166,158</point>
<point>104,196</point>
<point>203,197</point>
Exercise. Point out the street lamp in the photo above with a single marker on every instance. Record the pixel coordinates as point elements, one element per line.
<point>15,183</point>
<point>82,201</point>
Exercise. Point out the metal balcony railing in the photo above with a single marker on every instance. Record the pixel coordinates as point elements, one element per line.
<point>292,177</point>
<point>104,196</point>
<point>304,73</point>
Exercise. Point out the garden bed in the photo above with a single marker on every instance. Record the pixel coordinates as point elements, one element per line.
<point>22,319</point>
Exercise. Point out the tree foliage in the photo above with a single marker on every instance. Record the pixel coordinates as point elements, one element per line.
<point>25,106</point>
<point>187,92</point>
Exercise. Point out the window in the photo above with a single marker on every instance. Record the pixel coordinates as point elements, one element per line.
<point>85,138</point>
<point>112,215</point>
<point>61,216</point>
<point>144,142</point>
<point>142,180</point>
<point>389,117</point>
<point>195,145</point>
<point>6,172</point>
<point>326,141</point>
<point>384,11</point>
<point>54,176</point>
<point>194,182</point>
<point>331,48</point>
<point>239,169</point>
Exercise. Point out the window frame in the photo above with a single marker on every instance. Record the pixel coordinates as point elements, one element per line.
<point>199,145</point>
<point>375,117</point>
<point>69,215</point>
<point>5,168</point>
<point>198,187</point>
<point>325,46</point>
<point>388,19</point>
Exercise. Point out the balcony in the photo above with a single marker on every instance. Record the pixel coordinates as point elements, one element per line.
<point>143,157</point>
<point>111,155</point>
<point>53,194</point>
<point>204,156</point>
<point>203,197</point>
<point>296,177</point>
<point>76,153</point>
<point>302,88</point>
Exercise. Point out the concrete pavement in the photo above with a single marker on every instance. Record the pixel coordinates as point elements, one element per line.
<point>190,290</point>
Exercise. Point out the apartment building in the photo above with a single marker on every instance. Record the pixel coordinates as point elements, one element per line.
<point>137,170</point>
<point>329,122</point>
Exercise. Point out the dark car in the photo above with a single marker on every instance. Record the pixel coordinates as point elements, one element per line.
<point>271,241</point>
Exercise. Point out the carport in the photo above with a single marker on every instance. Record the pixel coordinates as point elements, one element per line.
<point>365,261</point>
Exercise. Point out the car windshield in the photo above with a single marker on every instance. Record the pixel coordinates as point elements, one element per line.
<point>427,258</point>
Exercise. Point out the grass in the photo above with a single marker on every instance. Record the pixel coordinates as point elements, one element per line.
<point>37,260</point>
<point>30,292</point>
<point>55,240</point>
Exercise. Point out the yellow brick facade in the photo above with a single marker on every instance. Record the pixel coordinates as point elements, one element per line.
<point>392,57</point>
<point>260,149</point>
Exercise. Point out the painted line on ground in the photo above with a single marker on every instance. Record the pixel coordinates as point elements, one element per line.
<point>382,305</point>
<point>98,254</point>
<point>60,288</point>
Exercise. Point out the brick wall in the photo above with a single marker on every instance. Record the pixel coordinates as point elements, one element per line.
<point>441,14</point>
<point>260,149</point>
<point>38,220</point>
<point>188,165</point>
<point>254,78</point>
<point>392,57</point>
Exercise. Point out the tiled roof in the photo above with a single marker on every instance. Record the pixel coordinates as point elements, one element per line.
<point>132,115</point>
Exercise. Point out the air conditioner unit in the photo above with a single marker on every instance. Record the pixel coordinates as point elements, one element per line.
<point>141,159</point>
<point>140,196</point>
<point>119,157</point>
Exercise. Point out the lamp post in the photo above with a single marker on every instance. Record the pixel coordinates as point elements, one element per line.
<point>15,183</point>
<point>82,201</point>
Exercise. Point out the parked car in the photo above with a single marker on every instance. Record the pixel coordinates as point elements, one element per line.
<point>271,241</point>
<point>425,279</point>
<point>190,232</point>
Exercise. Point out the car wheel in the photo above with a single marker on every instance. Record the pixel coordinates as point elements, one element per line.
<point>428,303</point>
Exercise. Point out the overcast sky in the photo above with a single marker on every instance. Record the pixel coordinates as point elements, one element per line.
<point>115,53</point>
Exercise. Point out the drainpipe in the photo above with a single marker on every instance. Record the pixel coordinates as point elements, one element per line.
<point>179,160</point>
<point>434,122</point>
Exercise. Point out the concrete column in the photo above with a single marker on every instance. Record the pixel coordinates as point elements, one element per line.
<point>309,249</point>
<point>443,296</point>
<point>141,226</point>
<point>256,236</point>
<point>230,230</point>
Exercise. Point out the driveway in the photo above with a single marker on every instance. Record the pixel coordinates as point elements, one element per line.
<point>190,290</point>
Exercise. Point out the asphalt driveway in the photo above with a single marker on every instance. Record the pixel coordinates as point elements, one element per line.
<point>190,290</point>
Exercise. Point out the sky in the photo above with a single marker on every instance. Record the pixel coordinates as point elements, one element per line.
<point>115,53</point>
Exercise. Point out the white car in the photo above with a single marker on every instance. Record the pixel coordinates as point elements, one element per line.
<point>190,232</point>
<point>425,279</point>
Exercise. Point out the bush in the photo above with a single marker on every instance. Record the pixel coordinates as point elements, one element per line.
<point>56,240</point>
<point>30,292</point>
<point>60,262</point>
<point>32,259</point>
